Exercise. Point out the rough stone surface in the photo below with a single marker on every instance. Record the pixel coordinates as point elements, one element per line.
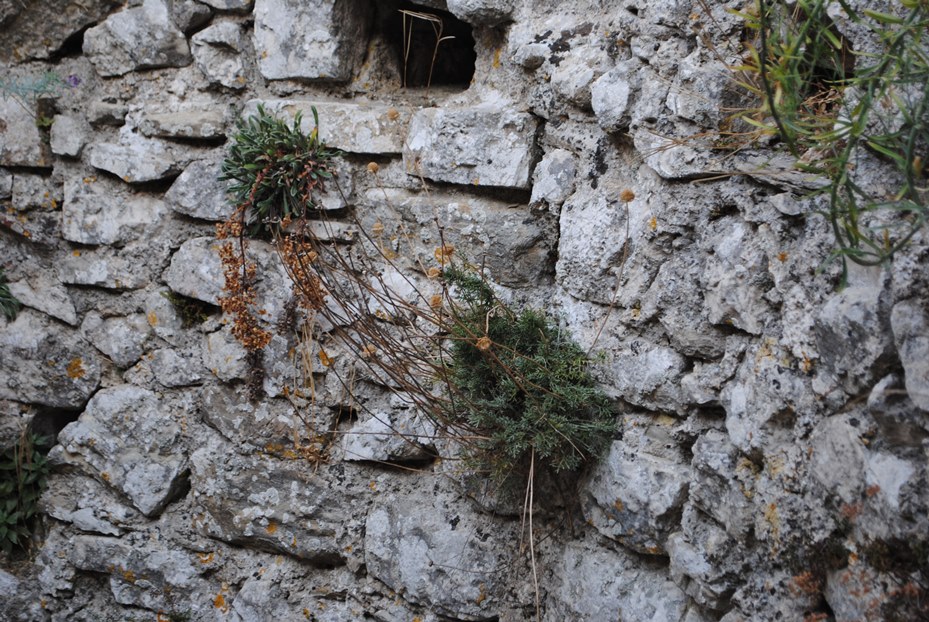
<point>427,549</point>
<point>137,38</point>
<point>190,124</point>
<point>217,51</point>
<point>315,40</point>
<point>768,458</point>
<point>42,363</point>
<point>441,146</point>
<point>20,140</point>
<point>198,192</point>
<point>98,211</point>
<point>136,162</point>
<point>127,438</point>
<point>69,135</point>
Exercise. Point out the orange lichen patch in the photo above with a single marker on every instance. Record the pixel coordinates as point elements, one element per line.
<point>105,477</point>
<point>782,256</point>
<point>220,601</point>
<point>75,369</point>
<point>806,365</point>
<point>206,558</point>
<point>372,485</point>
<point>653,223</point>
<point>90,180</point>
<point>872,490</point>
<point>152,318</point>
<point>271,528</point>
<point>393,114</point>
<point>618,504</point>
<point>496,62</point>
<point>482,596</point>
<point>324,358</point>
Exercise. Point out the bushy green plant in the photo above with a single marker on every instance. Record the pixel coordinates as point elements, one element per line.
<point>277,171</point>
<point>521,384</point>
<point>9,305</point>
<point>23,470</point>
<point>830,106</point>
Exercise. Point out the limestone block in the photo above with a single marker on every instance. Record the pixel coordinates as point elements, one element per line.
<point>310,39</point>
<point>87,504</point>
<point>356,128</point>
<point>553,180</point>
<point>142,571</point>
<point>21,141</point>
<point>137,38</point>
<point>485,146</point>
<point>482,12</point>
<point>130,267</point>
<point>734,281</point>
<point>127,437</point>
<point>199,193</point>
<point>36,192</point>
<point>649,378</point>
<point>107,113</point>
<point>138,161</point>
<point>854,336</point>
<point>722,484</point>
<point>69,135</point>
<point>598,583</point>
<point>122,339</point>
<point>39,28</point>
<point>705,561</point>
<point>613,92</point>
<point>251,427</point>
<point>193,123</point>
<point>43,363</point>
<point>218,51</point>
<point>636,500</point>
<point>910,322</point>
<point>389,432</point>
<point>43,292</point>
<point>697,92</point>
<point>260,503</point>
<point>177,368</point>
<point>426,547</point>
<point>189,15</point>
<point>99,211</point>
<point>224,356</point>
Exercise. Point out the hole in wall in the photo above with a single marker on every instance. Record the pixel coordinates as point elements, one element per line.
<point>412,32</point>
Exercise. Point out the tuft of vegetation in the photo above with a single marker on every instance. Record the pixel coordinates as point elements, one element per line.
<point>9,305</point>
<point>276,170</point>
<point>521,384</point>
<point>192,312</point>
<point>838,110</point>
<point>23,470</point>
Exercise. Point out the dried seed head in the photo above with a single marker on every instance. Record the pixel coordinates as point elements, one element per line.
<point>433,272</point>
<point>483,344</point>
<point>444,253</point>
<point>626,195</point>
<point>373,168</point>
<point>377,229</point>
<point>436,301</point>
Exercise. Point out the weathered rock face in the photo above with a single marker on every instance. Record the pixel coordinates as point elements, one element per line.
<point>769,459</point>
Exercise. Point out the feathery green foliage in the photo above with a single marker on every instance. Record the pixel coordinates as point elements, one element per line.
<point>277,170</point>
<point>521,384</point>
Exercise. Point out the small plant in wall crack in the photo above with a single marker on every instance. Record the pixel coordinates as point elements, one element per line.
<point>23,470</point>
<point>9,305</point>
<point>839,112</point>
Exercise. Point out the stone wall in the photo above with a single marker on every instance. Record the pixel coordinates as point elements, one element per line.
<point>770,459</point>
